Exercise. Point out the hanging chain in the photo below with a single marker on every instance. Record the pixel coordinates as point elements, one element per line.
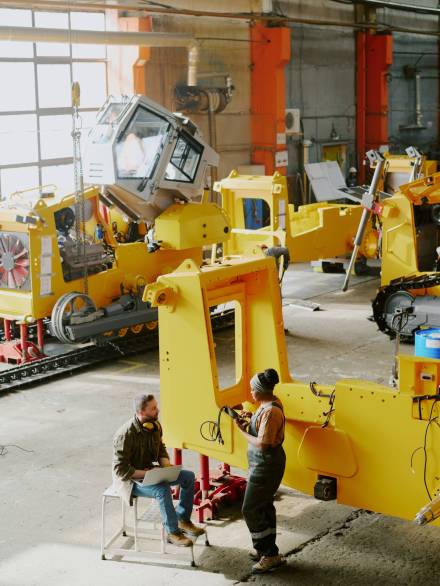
<point>80,213</point>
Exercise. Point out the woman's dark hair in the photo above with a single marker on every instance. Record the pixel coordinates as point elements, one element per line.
<point>269,378</point>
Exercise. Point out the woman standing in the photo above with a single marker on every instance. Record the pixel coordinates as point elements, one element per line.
<point>267,462</point>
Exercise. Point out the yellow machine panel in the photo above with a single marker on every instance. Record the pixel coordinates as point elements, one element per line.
<point>408,298</point>
<point>399,168</point>
<point>183,226</point>
<point>41,276</point>
<point>315,231</point>
<point>365,437</point>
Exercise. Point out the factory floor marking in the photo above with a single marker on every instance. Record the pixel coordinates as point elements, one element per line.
<point>134,366</point>
<point>152,380</point>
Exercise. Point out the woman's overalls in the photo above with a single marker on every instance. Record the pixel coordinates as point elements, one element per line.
<point>266,469</point>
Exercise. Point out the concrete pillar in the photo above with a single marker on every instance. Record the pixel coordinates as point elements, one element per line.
<point>270,53</point>
<point>374,55</point>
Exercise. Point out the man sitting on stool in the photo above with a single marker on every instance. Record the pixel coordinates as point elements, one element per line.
<point>137,446</point>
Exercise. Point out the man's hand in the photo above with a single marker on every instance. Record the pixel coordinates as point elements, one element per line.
<point>164,462</point>
<point>138,474</point>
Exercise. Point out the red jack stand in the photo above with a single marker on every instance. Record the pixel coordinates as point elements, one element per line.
<point>177,462</point>
<point>20,351</point>
<point>212,488</point>
<point>216,488</point>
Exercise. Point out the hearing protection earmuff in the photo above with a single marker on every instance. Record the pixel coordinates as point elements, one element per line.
<point>151,426</point>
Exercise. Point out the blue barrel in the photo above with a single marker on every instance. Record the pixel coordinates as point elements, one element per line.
<point>427,343</point>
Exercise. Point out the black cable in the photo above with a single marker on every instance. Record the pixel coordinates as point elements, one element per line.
<point>330,412</point>
<point>214,432</point>
<point>399,317</point>
<point>312,386</point>
<point>4,451</point>
<point>331,400</point>
<point>425,464</point>
<point>425,453</point>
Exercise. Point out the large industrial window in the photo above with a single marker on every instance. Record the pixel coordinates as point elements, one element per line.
<point>35,100</point>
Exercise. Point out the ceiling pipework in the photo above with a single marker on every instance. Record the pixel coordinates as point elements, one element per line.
<point>141,39</point>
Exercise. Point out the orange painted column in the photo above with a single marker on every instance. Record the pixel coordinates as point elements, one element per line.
<point>139,73</point>
<point>270,53</point>
<point>374,55</point>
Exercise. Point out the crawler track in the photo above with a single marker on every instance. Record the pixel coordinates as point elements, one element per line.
<point>424,281</point>
<point>87,356</point>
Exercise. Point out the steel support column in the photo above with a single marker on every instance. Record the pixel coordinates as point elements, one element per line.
<point>374,55</point>
<point>270,53</point>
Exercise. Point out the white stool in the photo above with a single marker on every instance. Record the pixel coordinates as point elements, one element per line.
<point>151,515</point>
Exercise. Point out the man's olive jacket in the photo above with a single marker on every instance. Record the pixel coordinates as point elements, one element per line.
<point>134,448</point>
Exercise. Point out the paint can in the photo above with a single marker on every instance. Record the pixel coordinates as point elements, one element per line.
<point>427,343</point>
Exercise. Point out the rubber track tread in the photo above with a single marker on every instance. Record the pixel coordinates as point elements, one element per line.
<point>73,361</point>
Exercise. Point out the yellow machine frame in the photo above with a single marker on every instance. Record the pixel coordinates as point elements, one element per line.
<point>370,442</point>
<point>315,231</point>
<point>399,240</point>
<point>400,167</point>
<point>133,266</point>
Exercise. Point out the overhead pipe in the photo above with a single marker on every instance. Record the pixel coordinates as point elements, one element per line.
<point>238,16</point>
<point>193,61</point>
<point>84,6</point>
<point>413,73</point>
<point>141,39</point>
<point>418,102</point>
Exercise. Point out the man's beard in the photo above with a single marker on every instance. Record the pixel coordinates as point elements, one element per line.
<point>146,419</point>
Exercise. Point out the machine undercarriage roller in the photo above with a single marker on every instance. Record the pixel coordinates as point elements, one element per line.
<point>397,310</point>
<point>70,307</point>
<point>75,317</point>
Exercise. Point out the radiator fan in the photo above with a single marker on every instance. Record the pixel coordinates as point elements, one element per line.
<point>14,262</point>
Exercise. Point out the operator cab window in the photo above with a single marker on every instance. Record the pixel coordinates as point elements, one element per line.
<point>106,125</point>
<point>184,160</point>
<point>140,145</point>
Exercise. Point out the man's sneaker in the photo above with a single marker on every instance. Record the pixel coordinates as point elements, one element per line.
<point>179,538</point>
<point>268,564</point>
<point>254,555</point>
<point>189,528</point>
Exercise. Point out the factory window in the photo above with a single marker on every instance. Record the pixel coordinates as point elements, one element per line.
<point>35,103</point>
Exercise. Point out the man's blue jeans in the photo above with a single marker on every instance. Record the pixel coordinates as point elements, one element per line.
<point>162,492</point>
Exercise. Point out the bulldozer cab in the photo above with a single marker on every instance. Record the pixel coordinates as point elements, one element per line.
<point>146,156</point>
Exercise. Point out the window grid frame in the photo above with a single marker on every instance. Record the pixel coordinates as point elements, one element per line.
<point>69,60</point>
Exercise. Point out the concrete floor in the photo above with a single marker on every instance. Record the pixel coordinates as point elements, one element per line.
<point>50,495</point>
